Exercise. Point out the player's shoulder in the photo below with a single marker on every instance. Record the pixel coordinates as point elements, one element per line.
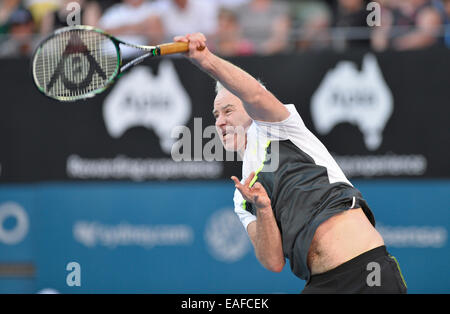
<point>290,127</point>
<point>291,107</point>
<point>293,112</point>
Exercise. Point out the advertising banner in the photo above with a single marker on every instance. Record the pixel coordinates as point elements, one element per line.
<point>180,237</point>
<point>382,115</point>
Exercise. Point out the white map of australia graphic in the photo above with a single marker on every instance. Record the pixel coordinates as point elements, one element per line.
<point>157,102</point>
<point>361,98</point>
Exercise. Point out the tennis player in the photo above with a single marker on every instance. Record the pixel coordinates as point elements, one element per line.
<point>293,200</point>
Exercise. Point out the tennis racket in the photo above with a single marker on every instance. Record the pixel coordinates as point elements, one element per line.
<point>78,62</point>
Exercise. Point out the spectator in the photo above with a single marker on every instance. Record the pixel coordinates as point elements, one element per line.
<point>40,8</point>
<point>134,21</point>
<point>380,35</point>
<point>90,14</point>
<point>312,19</point>
<point>411,24</point>
<point>6,8</point>
<point>230,4</point>
<point>351,20</point>
<point>21,30</point>
<point>266,24</point>
<point>189,16</point>
<point>228,41</point>
<point>445,11</point>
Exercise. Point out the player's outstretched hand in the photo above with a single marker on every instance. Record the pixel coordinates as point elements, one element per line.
<point>255,194</point>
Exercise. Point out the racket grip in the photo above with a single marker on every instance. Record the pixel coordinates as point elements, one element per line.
<point>173,48</point>
<point>166,49</point>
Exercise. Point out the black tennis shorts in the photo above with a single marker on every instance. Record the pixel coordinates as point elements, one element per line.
<point>375,271</point>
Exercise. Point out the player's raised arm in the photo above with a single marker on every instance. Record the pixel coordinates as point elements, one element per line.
<point>259,103</point>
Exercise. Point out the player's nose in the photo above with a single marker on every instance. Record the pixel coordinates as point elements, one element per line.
<point>221,121</point>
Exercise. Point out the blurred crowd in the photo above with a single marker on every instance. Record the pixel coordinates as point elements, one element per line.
<point>236,27</point>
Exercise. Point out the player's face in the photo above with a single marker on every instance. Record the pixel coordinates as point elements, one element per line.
<point>232,121</point>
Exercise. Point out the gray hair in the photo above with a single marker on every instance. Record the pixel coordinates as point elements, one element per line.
<point>219,87</point>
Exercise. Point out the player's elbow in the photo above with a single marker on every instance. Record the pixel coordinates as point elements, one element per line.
<point>274,262</point>
<point>275,266</point>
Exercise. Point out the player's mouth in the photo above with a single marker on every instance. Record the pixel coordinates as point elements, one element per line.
<point>228,134</point>
<point>224,136</point>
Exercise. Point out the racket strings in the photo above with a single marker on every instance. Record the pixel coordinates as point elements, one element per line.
<point>75,64</point>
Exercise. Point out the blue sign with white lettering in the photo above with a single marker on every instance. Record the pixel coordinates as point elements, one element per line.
<point>180,237</point>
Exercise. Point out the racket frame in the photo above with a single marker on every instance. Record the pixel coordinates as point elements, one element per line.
<point>151,51</point>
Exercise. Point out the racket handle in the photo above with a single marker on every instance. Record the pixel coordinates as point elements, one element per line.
<point>170,48</point>
<point>177,47</point>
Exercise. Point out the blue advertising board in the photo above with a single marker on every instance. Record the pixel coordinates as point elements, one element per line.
<point>17,254</point>
<point>183,237</point>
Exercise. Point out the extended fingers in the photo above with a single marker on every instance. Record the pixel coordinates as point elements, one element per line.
<point>249,179</point>
<point>241,188</point>
<point>244,188</point>
<point>246,182</point>
<point>236,181</point>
